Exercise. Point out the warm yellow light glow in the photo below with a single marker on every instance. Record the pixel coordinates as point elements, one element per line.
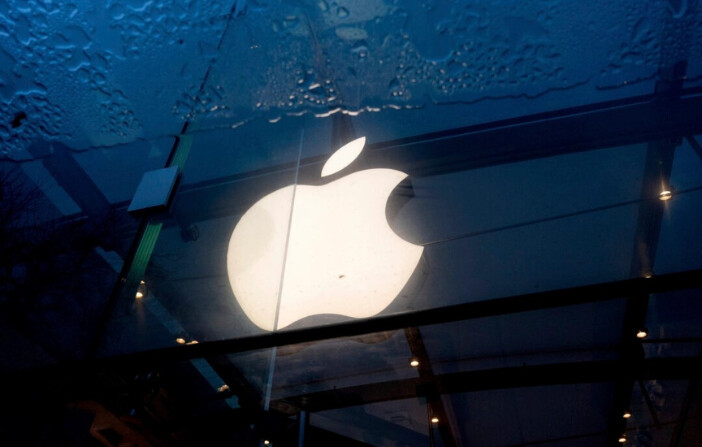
<point>622,439</point>
<point>180,341</point>
<point>142,282</point>
<point>139,295</point>
<point>434,420</point>
<point>223,388</point>
<point>665,195</point>
<point>641,333</point>
<point>192,342</point>
<point>342,256</point>
<point>266,442</point>
<point>414,363</point>
<point>342,157</point>
<point>626,415</point>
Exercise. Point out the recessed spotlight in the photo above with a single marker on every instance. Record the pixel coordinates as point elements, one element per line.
<point>139,295</point>
<point>626,415</point>
<point>434,420</point>
<point>180,340</point>
<point>666,194</point>
<point>641,333</point>
<point>622,439</point>
<point>414,363</point>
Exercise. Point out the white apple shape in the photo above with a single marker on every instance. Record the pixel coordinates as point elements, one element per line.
<point>306,250</point>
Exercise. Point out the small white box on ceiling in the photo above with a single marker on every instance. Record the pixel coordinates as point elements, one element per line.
<point>154,190</point>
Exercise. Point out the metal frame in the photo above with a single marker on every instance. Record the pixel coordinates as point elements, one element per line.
<point>567,131</point>
<point>578,129</point>
<point>592,293</point>
<point>492,379</point>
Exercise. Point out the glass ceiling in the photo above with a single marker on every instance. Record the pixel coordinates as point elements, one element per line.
<point>527,200</point>
<point>109,73</point>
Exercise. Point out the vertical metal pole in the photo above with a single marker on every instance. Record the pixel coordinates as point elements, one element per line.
<point>431,428</point>
<point>303,421</point>
<point>269,382</point>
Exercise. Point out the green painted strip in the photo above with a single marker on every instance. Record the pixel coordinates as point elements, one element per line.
<point>185,142</point>
<point>142,256</point>
<point>153,229</point>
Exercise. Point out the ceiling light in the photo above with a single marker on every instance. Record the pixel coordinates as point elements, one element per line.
<point>622,439</point>
<point>139,295</point>
<point>626,415</point>
<point>223,388</point>
<point>414,363</point>
<point>266,442</point>
<point>641,333</point>
<point>666,194</point>
<point>142,282</point>
<point>192,342</point>
<point>434,420</point>
<point>180,341</point>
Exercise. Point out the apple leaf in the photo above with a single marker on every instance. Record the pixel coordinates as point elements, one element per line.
<point>343,156</point>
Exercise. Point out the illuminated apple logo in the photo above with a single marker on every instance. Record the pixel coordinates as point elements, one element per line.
<point>308,250</point>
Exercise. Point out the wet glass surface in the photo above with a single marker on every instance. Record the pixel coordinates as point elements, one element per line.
<point>494,171</point>
<point>141,69</point>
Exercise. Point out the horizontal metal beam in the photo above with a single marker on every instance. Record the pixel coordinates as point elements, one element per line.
<point>492,379</point>
<point>549,134</point>
<point>545,135</point>
<point>499,306</point>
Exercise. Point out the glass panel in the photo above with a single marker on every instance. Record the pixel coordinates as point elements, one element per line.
<point>480,61</point>
<point>330,364</point>
<point>588,332</point>
<point>692,36</point>
<point>187,290</point>
<point>680,246</point>
<point>656,422</point>
<point>403,422</point>
<point>325,177</point>
<point>142,69</point>
<point>460,236</point>
<point>673,323</point>
<point>103,73</point>
<point>443,236</point>
<point>64,235</point>
<point>526,409</point>
<point>118,170</point>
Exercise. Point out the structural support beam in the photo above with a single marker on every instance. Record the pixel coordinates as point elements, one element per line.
<point>435,405</point>
<point>537,136</point>
<point>656,180</point>
<point>68,173</point>
<point>500,306</point>
<point>493,379</point>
